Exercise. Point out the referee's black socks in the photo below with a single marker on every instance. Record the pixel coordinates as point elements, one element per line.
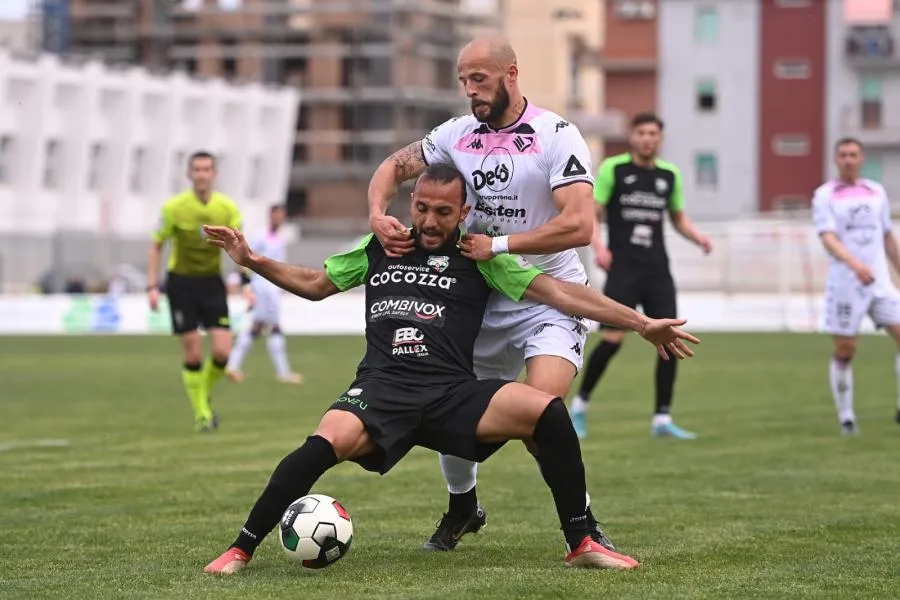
<point>293,478</point>
<point>559,456</point>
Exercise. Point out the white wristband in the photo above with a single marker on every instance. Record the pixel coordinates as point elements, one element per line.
<point>500,245</point>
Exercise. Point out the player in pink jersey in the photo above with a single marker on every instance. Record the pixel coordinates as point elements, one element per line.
<point>530,191</point>
<point>852,217</point>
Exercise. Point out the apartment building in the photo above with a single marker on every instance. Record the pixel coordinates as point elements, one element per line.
<point>755,93</point>
<point>374,75</point>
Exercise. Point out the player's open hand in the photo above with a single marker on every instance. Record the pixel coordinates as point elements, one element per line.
<point>395,237</point>
<point>668,338</point>
<point>476,246</point>
<point>231,241</point>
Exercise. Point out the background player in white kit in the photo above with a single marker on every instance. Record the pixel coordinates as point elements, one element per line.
<point>852,217</point>
<point>266,307</point>
<point>530,188</point>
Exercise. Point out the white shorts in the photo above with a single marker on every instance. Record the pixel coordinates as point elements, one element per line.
<point>501,351</point>
<point>847,304</point>
<point>266,305</point>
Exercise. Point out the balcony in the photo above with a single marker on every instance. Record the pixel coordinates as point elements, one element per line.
<point>871,48</point>
<point>627,64</point>
<point>871,131</point>
<point>304,173</point>
<point>611,125</point>
<point>406,95</point>
<point>104,9</point>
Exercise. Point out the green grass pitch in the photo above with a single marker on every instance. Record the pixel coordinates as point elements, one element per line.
<point>769,502</point>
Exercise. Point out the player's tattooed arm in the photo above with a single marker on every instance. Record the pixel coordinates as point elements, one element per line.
<point>402,165</point>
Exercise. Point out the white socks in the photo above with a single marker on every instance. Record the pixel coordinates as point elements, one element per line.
<point>841,376</point>
<point>660,419</point>
<point>277,347</point>
<point>897,369</point>
<point>239,352</point>
<point>459,473</point>
<point>578,405</point>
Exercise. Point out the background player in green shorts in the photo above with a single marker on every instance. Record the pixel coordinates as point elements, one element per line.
<point>635,191</point>
<point>194,285</point>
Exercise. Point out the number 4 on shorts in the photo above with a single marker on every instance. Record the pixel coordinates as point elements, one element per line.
<point>573,168</point>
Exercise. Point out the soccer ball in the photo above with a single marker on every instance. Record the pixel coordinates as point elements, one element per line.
<point>316,530</point>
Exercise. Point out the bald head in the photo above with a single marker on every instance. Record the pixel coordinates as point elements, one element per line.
<point>494,49</point>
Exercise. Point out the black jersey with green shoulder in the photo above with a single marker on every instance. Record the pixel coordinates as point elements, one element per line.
<point>637,199</point>
<point>424,309</point>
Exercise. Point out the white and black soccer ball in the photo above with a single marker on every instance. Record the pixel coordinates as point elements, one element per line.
<point>316,530</point>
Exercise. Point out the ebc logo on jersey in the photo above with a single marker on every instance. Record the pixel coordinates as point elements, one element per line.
<point>496,171</point>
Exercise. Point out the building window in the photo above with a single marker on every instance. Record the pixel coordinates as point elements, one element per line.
<point>706,95</point>
<point>793,3</point>
<point>229,58</point>
<point>635,9</point>
<point>7,146</point>
<point>256,177</point>
<point>872,167</point>
<point>178,170</point>
<point>97,167</point>
<point>870,95</point>
<point>706,24</point>
<point>792,68</point>
<point>296,202</point>
<point>791,144</point>
<point>53,156</point>
<point>707,170</point>
<point>137,164</point>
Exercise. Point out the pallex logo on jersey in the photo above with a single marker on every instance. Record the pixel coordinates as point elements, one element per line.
<point>405,308</point>
<point>409,341</point>
<point>412,278</point>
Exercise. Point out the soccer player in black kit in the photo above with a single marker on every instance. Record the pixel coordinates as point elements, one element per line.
<point>416,386</point>
<point>635,191</point>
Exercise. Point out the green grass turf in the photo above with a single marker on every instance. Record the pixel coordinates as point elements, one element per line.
<point>770,502</point>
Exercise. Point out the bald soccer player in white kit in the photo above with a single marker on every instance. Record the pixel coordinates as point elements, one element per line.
<point>530,188</point>
<point>853,219</point>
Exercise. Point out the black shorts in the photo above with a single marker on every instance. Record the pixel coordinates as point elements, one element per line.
<point>398,417</point>
<point>196,302</point>
<point>651,288</point>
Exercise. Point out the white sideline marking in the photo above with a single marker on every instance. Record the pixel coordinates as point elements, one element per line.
<point>39,443</point>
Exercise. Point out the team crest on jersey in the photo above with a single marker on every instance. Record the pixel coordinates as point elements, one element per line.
<point>662,185</point>
<point>438,263</point>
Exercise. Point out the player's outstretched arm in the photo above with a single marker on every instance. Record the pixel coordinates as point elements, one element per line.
<point>584,301</point>
<point>684,226</point>
<point>400,166</point>
<point>311,284</point>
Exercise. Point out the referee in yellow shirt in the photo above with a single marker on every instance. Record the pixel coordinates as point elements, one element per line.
<point>194,285</point>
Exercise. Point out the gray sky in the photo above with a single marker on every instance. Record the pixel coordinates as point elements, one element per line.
<point>13,9</point>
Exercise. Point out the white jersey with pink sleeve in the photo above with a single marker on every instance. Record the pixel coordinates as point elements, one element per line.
<point>511,174</point>
<point>859,214</point>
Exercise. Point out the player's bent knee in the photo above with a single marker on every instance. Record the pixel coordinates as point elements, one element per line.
<point>512,413</point>
<point>346,434</point>
<point>845,347</point>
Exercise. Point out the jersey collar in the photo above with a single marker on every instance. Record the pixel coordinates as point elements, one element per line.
<point>485,128</point>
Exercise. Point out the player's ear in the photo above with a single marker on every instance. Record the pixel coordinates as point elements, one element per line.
<point>512,73</point>
<point>464,212</point>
